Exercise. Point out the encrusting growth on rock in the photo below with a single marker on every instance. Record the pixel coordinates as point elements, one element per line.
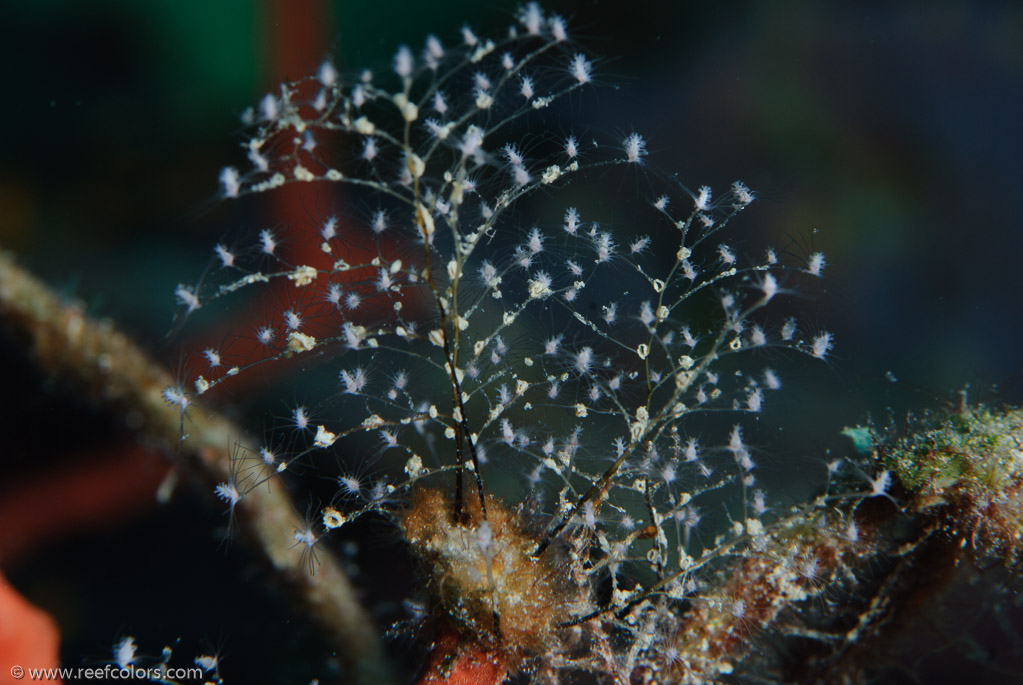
<point>968,469</point>
<point>485,573</point>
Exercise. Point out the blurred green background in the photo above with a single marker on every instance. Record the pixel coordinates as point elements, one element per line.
<point>885,134</point>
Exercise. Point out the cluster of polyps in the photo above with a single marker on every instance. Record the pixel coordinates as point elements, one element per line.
<point>578,344</point>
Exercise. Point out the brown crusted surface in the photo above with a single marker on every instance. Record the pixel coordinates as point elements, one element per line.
<point>520,588</point>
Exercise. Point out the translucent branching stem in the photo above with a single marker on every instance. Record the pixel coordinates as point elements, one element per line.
<point>462,433</point>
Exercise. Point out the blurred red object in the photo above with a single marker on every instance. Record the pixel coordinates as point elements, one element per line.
<point>94,490</point>
<point>28,637</point>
